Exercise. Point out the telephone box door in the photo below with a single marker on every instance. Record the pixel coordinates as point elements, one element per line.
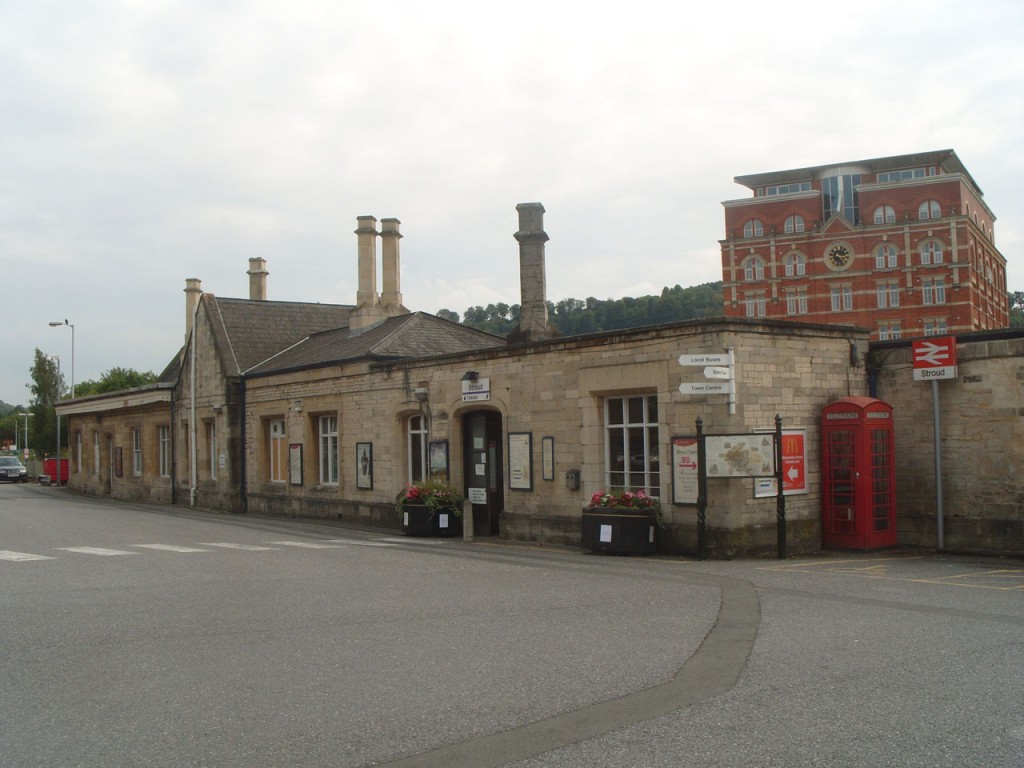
<point>858,476</point>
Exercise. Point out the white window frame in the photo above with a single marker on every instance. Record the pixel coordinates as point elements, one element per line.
<point>885,214</point>
<point>637,439</point>
<point>137,451</point>
<point>753,228</point>
<point>888,293</point>
<point>211,444</point>
<point>756,306</point>
<point>416,440</point>
<point>753,269</point>
<point>796,302</point>
<point>795,264</point>
<point>933,290</point>
<point>793,224</point>
<point>889,331</point>
<point>328,441</point>
<point>278,446</point>
<point>164,443</point>
<point>929,209</point>
<point>842,298</point>
<point>96,452</point>
<point>932,253</point>
<point>887,256</point>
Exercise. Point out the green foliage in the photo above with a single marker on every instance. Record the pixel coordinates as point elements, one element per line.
<point>115,380</point>
<point>47,388</point>
<point>572,317</point>
<point>1016,299</point>
<point>435,495</point>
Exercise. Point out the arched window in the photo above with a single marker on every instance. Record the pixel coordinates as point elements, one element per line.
<point>753,228</point>
<point>887,256</point>
<point>931,252</point>
<point>753,269</point>
<point>795,263</point>
<point>885,214</point>
<point>794,224</point>
<point>929,209</point>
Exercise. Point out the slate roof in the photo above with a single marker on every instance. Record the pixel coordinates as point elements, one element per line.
<point>406,336</point>
<point>249,332</point>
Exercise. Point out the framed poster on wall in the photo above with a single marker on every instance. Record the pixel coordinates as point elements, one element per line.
<point>520,461</point>
<point>547,458</point>
<point>364,465</point>
<point>438,457</point>
<point>295,463</point>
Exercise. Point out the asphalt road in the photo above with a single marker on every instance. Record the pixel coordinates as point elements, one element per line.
<point>136,635</point>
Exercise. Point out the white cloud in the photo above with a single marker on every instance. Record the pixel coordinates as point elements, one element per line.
<point>147,143</point>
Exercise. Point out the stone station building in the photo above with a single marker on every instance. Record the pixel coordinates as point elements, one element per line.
<point>330,410</point>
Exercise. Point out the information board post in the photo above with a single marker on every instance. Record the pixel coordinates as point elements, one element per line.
<point>702,492</point>
<point>780,499</point>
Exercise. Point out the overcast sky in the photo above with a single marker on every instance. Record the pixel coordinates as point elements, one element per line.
<point>144,142</point>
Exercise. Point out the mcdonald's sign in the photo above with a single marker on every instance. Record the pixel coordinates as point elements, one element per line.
<point>794,466</point>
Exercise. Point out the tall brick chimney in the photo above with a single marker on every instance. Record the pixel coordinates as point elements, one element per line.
<point>368,311</point>
<point>258,279</point>
<point>391,295</point>
<point>533,312</point>
<point>193,292</point>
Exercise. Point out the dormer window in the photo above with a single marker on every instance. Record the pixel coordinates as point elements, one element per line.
<point>753,228</point>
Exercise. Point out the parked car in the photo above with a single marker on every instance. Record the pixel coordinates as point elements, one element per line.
<point>12,469</point>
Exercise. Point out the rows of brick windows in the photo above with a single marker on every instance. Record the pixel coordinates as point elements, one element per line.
<point>884,214</point>
<point>886,256</point>
<point>841,297</point>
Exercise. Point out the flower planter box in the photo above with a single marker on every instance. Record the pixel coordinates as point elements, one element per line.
<point>619,531</point>
<point>421,520</point>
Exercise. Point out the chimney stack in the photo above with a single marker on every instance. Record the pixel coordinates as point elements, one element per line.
<point>368,311</point>
<point>533,312</point>
<point>193,292</point>
<point>366,231</point>
<point>257,279</point>
<point>391,295</point>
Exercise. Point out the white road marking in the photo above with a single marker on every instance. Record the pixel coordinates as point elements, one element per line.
<point>362,543</point>
<point>231,545</point>
<point>19,557</point>
<point>170,548</point>
<point>305,544</point>
<point>98,551</point>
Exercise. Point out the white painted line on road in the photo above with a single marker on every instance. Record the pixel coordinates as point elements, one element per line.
<point>231,545</point>
<point>416,540</point>
<point>19,557</point>
<point>305,544</point>
<point>362,543</point>
<point>98,551</point>
<point>170,548</point>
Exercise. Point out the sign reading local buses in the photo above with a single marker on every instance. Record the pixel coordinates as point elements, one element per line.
<point>934,358</point>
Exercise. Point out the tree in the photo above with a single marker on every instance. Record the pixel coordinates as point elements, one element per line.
<point>1016,300</point>
<point>115,380</point>
<point>47,388</point>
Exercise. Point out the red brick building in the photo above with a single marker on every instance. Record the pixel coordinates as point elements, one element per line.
<point>902,245</point>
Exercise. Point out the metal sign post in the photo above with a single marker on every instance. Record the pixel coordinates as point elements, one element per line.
<point>780,500</point>
<point>934,358</point>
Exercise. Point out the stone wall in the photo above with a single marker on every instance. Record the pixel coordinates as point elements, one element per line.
<point>982,444</point>
<point>557,389</point>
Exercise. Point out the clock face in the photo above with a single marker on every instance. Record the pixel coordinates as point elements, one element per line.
<point>838,255</point>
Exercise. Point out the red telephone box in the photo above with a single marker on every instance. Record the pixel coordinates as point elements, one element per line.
<point>858,490</point>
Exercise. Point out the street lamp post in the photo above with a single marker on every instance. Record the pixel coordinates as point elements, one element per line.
<point>24,452</point>
<point>57,413</point>
<point>56,324</point>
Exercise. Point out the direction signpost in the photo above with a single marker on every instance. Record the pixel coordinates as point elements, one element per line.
<point>718,368</point>
<point>934,360</point>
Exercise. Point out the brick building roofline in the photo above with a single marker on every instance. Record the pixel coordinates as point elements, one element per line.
<point>944,158</point>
